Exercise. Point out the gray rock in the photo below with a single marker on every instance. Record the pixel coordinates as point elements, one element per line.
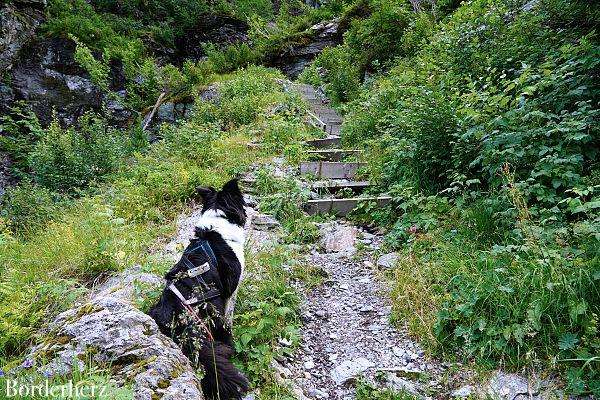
<point>505,386</point>
<point>317,393</point>
<point>166,112</point>
<point>17,27</point>
<point>463,392</point>
<point>47,76</point>
<point>338,237</point>
<point>387,261</point>
<point>111,331</point>
<point>296,57</point>
<point>350,369</point>
<point>263,222</point>
<point>398,383</point>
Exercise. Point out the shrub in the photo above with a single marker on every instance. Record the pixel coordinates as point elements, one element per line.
<point>487,139</point>
<point>70,159</point>
<point>230,58</point>
<point>20,129</point>
<point>337,70</point>
<point>267,312</point>
<point>376,40</point>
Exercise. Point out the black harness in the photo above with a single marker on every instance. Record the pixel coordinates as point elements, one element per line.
<point>204,291</point>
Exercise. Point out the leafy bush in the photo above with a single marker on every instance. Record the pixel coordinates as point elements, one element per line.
<point>337,70</point>
<point>267,312</point>
<point>376,39</point>
<point>282,198</point>
<point>230,58</point>
<point>69,159</point>
<point>20,129</point>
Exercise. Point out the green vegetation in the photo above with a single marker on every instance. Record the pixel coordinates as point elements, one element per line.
<point>93,383</point>
<point>480,118</point>
<point>266,314</point>
<point>365,391</point>
<point>49,254</point>
<point>485,131</point>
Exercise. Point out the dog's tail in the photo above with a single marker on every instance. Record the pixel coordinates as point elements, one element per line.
<point>222,380</point>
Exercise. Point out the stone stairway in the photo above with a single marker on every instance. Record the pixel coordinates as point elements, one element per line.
<point>334,169</point>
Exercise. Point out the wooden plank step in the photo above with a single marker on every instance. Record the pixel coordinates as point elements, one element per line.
<point>333,154</point>
<point>324,143</point>
<point>333,130</point>
<point>330,170</point>
<point>341,207</point>
<point>336,186</point>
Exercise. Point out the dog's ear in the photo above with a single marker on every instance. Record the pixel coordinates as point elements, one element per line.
<point>205,192</point>
<point>232,187</point>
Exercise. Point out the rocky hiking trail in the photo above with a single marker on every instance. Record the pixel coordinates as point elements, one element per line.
<point>346,333</point>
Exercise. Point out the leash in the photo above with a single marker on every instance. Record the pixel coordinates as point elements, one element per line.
<point>191,312</point>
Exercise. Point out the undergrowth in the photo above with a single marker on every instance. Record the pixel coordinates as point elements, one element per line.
<point>483,127</point>
<point>50,253</point>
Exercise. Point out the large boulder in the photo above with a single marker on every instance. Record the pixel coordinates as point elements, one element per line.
<point>109,329</point>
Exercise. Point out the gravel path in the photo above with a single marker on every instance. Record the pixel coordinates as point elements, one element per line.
<point>347,331</point>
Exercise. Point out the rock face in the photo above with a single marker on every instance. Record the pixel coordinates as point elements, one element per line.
<point>112,331</point>
<point>18,22</point>
<point>47,76</point>
<point>220,30</point>
<point>295,58</point>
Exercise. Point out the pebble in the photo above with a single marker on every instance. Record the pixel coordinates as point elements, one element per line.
<point>309,364</point>
<point>314,392</point>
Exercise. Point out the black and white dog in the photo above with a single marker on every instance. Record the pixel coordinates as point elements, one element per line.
<point>196,307</point>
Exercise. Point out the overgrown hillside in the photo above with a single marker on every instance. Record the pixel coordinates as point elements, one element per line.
<point>484,127</point>
<point>480,119</point>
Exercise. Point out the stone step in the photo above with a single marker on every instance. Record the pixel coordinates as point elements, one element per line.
<point>332,154</point>
<point>341,207</point>
<point>336,186</point>
<point>330,170</point>
<point>324,143</point>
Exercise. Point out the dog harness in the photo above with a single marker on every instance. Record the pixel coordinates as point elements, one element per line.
<point>195,272</point>
<point>205,292</point>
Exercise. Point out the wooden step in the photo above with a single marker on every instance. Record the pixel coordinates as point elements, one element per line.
<point>336,186</point>
<point>333,130</point>
<point>341,207</point>
<point>324,143</point>
<point>332,154</point>
<point>330,170</point>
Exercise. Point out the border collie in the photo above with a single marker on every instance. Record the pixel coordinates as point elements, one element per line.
<point>196,307</point>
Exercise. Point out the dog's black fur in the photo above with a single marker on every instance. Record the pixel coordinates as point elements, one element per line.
<point>222,379</point>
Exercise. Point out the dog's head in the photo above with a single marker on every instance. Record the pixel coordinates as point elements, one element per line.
<point>229,201</point>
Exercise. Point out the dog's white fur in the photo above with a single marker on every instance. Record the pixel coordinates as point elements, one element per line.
<point>234,236</point>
